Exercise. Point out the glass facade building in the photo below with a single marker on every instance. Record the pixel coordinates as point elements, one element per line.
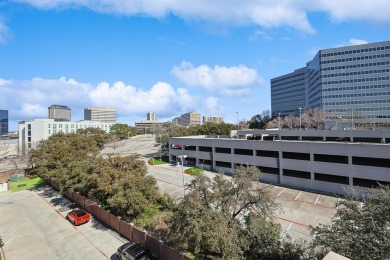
<point>346,82</point>
<point>3,122</point>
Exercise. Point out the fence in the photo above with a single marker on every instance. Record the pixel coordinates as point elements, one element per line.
<point>127,230</point>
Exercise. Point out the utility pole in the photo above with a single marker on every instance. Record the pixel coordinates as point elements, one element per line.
<point>238,125</point>
<point>279,121</point>
<point>300,118</point>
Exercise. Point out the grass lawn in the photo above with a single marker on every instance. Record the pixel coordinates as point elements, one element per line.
<point>156,160</point>
<point>194,170</point>
<point>30,183</point>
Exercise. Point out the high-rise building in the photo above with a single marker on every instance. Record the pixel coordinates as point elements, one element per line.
<point>190,119</point>
<point>213,119</point>
<point>151,116</point>
<point>59,113</point>
<point>100,114</point>
<point>346,82</point>
<point>3,122</point>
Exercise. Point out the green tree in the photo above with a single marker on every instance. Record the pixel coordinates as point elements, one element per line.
<point>228,218</point>
<point>100,136</point>
<point>1,242</point>
<point>122,131</point>
<point>360,228</point>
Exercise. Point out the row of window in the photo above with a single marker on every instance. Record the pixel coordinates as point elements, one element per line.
<point>360,109</point>
<point>288,77</point>
<point>317,176</point>
<point>275,90</point>
<point>350,95</point>
<point>377,86</point>
<point>354,66</point>
<point>354,73</point>
<point>377,56</point>
<point>355,80</point>
<point>359,102</point>
<point>78,126</point>
<point>381,48</point>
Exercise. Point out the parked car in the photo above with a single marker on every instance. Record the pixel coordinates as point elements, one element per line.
<point>78,217</point>
<point>134,251</point>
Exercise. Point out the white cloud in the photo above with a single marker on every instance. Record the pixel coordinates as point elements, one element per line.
<point>211,106</point>
<point>30,99</point>
<point>221,80</point>
<point>351,42</point>
<point>264,13</point>
<point>4,31</point>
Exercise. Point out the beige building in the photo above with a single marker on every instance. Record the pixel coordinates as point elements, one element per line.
<point>59,113</point>
<point>188,119</point>
<point>213,119</point>
<point>100,114</point>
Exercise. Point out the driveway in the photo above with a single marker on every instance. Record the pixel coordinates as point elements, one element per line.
<point>33,226</point>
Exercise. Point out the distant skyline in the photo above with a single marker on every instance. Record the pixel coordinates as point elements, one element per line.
<point>169,57</point>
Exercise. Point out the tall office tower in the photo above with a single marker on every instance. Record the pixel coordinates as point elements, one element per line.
<point>3,122</point>
<point>100,114</point>
<point>347,82</point>
<point>190,119</point>
<point>213,119</point>
<point>59,113</point>
<point>151,116</point>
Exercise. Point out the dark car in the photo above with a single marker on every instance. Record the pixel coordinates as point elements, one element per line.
<point>78,217</point>
<point>134,251</point>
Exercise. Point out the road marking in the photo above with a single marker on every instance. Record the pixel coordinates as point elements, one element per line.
<point>317,199</point>
<point>298,195</point>
<point>286,231</point>
<point>281,192</point>
<point>175,191</point>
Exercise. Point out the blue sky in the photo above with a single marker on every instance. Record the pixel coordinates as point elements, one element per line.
<point>169,57</point>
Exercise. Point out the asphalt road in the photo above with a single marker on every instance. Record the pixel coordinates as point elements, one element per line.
<point>33,226</point>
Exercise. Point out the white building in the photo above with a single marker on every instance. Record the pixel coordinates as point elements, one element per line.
<point>151,116</point>
<point>100,114</point>
<point>213,119</point>
<point>31,132</point>
<point>320,160</point>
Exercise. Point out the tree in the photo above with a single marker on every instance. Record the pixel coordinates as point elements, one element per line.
<point>359,229</point>
<point>100,136</point>
<point>260,121</point>
<point>228,218</point>
<point>122,131</point>
<point>1,242</point>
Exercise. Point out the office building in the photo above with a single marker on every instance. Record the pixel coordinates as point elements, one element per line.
<point>3,122</point>
<point>151,116</point>
<point>188,119</point>
<point>319,160</point>
<point>346,82</point>
<point>100,114</point>
<point>31,132</point>
<point>59,113</point>
<point>213,119</point>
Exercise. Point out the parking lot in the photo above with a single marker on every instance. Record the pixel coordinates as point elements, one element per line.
<point>33,226</point>
<point>300,209</point>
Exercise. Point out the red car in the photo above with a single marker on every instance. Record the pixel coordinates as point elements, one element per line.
<point>78,217</point>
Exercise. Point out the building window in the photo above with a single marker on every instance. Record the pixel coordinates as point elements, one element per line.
<point>223,164</point>
<point>190,147</point>
<point>269,170</point>
<point>223,150</point>
<point>331,178</point>
<point>369,183</point>
<point>331,158</point>
<point>366,161</point>
<point>296,156</point>
<point>296,174</point>
<point>205,149</point>
<point>243,152</point>
<point>264,153</point>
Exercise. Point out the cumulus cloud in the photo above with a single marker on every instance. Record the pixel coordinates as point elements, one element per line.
<point>264,13</point>
<point>30,99</point>
<point>352,41</point>
<point>220,79</point>
<point>212,106</point>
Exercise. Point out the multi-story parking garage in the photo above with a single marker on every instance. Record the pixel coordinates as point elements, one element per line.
<point>309,159</point>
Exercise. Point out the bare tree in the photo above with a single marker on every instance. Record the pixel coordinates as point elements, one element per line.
<point>319,116</point>
<point>290,121</point>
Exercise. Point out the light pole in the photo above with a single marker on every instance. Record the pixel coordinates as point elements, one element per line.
<point>300,118</point>
<point>182,157</point>
<point>238,125</point>
<point>279,121</point>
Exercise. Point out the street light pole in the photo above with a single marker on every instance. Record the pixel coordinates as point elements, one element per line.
<point>300,118</point>
<point>238,125</point>
<point>279,121</point>
<point>182,157</point>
